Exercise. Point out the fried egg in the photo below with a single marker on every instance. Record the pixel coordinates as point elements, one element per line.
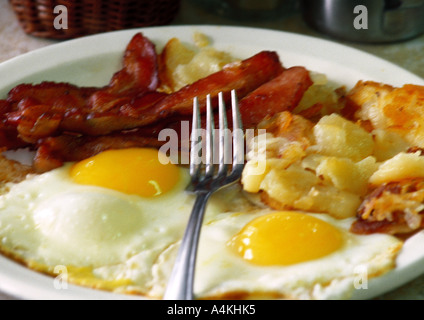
<point>290,255</point>
<point>105,219</point>
<point>115,221</point>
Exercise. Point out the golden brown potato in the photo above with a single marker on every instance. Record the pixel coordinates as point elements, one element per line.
<point>343,156</point>
<point>336,136</point>
<point>397,110</point>
<point>173,55</point>
<point>317,168</point>
<point>181,64</point>
<point>12,171</point>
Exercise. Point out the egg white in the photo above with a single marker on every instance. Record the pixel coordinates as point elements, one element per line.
<point>220,273</point>
<point>48,220</point>
<point>128,244</point>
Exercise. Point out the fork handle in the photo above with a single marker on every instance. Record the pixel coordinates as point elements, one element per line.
<point>182,277</point>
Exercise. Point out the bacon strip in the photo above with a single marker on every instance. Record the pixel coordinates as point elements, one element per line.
<point>153,107</point>
<point>122,107</point>
<point>283,93</point>
<point>243,77</point>
<point>64,122</point>
<point>53,151</point>
<point>38,111</point>
<point>140,67</point>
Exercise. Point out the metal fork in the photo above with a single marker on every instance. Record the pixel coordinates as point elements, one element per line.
<point>205,180</point>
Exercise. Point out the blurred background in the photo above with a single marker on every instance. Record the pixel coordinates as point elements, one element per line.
<point>395,27</point>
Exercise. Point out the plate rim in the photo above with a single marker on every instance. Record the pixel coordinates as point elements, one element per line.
<point>40,54</point>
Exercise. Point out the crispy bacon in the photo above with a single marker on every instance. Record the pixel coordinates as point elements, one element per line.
<point>63,122</point>
<point>24,108</point>
<point>283,93</point>
<point>153,107</point>
<point>52,152</point>
<point>58,95</point>
<point>38,111</point>
<point>104,111</point>
<point>244,77</point>
<point>62,149</point>
<point>140,70</point>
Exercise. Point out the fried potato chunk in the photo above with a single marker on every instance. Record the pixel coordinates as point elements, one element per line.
<point>336,136</point>
<point>402,166</point>
<point>333,162</point>
<point>347,175</point>
<point>317,168</point>
<point>181,64</point>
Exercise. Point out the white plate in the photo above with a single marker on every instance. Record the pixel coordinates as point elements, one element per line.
<point>92,60</point>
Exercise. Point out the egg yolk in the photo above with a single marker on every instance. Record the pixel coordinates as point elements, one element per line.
<point>139,171</point>
<point>286,238</point>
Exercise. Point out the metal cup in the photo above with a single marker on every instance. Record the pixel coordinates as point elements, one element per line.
<point>374,21</point>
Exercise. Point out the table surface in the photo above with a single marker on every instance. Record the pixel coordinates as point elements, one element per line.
<point>408,54</point>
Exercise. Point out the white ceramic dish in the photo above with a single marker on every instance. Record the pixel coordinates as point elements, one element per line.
<point>92,60</point>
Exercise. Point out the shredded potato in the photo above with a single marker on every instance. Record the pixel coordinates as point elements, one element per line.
<point>392,109</point>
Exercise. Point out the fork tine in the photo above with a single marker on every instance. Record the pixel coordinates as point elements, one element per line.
<point>209,138</point>
<point>224,149</point>
<point>195,139</point>
<point>238,134</point>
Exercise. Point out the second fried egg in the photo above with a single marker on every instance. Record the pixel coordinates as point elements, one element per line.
<point>284,255</point>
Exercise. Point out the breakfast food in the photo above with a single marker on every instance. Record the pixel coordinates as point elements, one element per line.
<point>100,201</point>
<point>180,65</point>
<point>106,219</point>
<point>132,109</point>
<point>366,155</point>
<point>394,205</point>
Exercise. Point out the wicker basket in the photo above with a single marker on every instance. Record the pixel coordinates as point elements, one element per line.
<point>84,17</point>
